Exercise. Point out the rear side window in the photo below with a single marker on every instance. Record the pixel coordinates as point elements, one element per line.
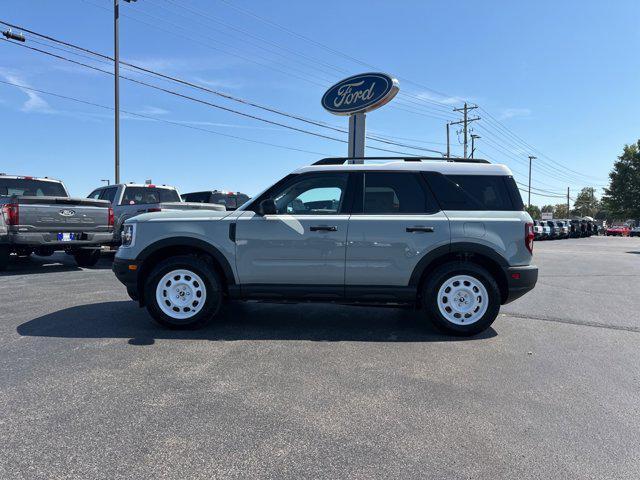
<point>147,195</point>
<point>198,197</point>
<point>475,192</point>
<point>395,193</point>
<point>109,194</point>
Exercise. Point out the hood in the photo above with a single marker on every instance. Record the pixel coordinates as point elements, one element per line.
<point>177,215</point>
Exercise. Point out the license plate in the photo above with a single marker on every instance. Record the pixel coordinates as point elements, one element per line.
<point>66,237</point>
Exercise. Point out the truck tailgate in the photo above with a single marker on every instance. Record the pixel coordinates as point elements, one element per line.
<point>62,214</point>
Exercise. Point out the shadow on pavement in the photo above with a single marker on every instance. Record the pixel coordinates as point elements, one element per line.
<point>313,322</point>
<point>58,262</point>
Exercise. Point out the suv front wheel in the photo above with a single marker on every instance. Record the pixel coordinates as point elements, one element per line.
<point>461,298</point>
<point>183,292</point>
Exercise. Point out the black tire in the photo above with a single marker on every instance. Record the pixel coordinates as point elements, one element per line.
<point>213,290</point>
<point>4,257</point>
<point>87,258</point>
<point>435,281</point>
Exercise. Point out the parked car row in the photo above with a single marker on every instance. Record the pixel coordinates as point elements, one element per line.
<point>559,229</point>
<point>37,215</point>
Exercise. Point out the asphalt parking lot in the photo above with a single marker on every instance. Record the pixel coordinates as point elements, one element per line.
<point>90,388</point>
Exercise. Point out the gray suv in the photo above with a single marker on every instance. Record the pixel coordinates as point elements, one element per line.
<point>449,237</point>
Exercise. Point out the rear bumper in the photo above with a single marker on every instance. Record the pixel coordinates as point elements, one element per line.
<point>126,272</point>
<point>520,280</point>
<point>50,239</point>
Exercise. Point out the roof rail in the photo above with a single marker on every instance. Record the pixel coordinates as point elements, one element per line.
<point>342,160</point>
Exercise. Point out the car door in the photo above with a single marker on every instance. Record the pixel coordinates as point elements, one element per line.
<point>301,247</point>
<point>395,221</point>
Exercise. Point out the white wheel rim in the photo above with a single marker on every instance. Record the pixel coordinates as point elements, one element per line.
<point>181,294</point>
<point>463,300</point>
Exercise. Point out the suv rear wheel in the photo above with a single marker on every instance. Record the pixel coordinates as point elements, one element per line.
<point>183,292</point>
<point>462,298</point>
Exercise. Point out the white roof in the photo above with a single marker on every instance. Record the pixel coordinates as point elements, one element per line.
<point>452,168</point>
<point>40,179</point>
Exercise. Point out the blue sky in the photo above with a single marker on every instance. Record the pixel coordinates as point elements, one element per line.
<point>561,76</point>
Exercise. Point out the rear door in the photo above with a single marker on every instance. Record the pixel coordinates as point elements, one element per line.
<point>303,244</point>
<point>394,223</point>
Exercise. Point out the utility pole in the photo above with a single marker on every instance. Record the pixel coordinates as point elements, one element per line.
<point>448,144</point>
<point>465,121</point>
<point>473,146</point>
<point>568,215</point>
<point>116,85</point>
<point>531,157</point>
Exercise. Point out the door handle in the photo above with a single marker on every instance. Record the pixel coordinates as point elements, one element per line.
<point>420,229</point>
<point>324,228</point>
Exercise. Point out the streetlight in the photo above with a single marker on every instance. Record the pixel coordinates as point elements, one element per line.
<point>474,137</point>
<point>106,180</point>
<point>116,74</point>
<point>531,157</point>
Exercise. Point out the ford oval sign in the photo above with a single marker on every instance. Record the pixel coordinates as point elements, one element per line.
<point>360,93</point>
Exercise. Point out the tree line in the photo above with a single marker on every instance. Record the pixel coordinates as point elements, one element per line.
<point>621,199</point>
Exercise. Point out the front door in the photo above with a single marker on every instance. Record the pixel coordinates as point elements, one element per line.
<point>303,244</point>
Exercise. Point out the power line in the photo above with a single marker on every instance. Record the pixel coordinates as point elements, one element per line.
<point>204,102</point>
<point>211,91</point>
<point>368,65</point>
<point>325,85</point>
<point>162,120</point>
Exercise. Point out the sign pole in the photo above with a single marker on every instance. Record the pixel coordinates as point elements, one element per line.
<point>357,130</point>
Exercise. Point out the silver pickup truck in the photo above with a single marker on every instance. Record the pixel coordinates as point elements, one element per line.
<point>38,216</point>
<point>131,199</point>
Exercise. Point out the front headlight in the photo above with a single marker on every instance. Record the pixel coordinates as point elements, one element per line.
<point>128,234</point>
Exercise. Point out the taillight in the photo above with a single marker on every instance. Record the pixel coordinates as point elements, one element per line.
<point>528,236</point>
<point>11,213</point>
<point>110,219</point>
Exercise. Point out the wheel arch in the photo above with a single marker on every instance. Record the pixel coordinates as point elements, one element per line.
<point>480,255</point>
<point>162,249</point>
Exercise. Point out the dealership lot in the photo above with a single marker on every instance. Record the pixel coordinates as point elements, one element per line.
<point>91,388</point>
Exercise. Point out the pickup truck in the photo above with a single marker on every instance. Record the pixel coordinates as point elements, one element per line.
<point>130,199</point>
<point>37,215</point>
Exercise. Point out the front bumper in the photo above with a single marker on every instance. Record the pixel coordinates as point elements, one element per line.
<point>127,272</point>
<point>519,281</point>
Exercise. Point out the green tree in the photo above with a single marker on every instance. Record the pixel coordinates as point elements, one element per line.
<point>534,211</point>
<point>561,211</point>
<point>547,208</point>
<point>586,203</point>
<point>622,197</point>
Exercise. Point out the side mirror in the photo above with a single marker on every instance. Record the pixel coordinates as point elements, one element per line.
<point>268,207</point>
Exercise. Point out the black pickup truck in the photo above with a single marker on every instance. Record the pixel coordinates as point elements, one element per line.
<point>37,215</point>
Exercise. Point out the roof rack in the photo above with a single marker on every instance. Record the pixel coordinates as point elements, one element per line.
<point>342,160</point>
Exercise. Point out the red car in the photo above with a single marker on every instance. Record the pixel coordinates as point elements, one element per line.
<point>618,231</point>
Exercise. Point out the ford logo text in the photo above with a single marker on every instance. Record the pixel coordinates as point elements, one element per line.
<point>360,93</point>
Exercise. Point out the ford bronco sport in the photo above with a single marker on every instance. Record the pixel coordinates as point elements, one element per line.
<point>448,236</point>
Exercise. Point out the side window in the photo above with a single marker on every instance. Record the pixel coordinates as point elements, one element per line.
<point>474,192</point>
<point>197,197</point>
<point>315,195</point>
<point>95,194</point>
<point>108,194</point>
<point>395,193</point>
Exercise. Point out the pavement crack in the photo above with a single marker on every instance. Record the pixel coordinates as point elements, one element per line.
<point>583,323</point>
